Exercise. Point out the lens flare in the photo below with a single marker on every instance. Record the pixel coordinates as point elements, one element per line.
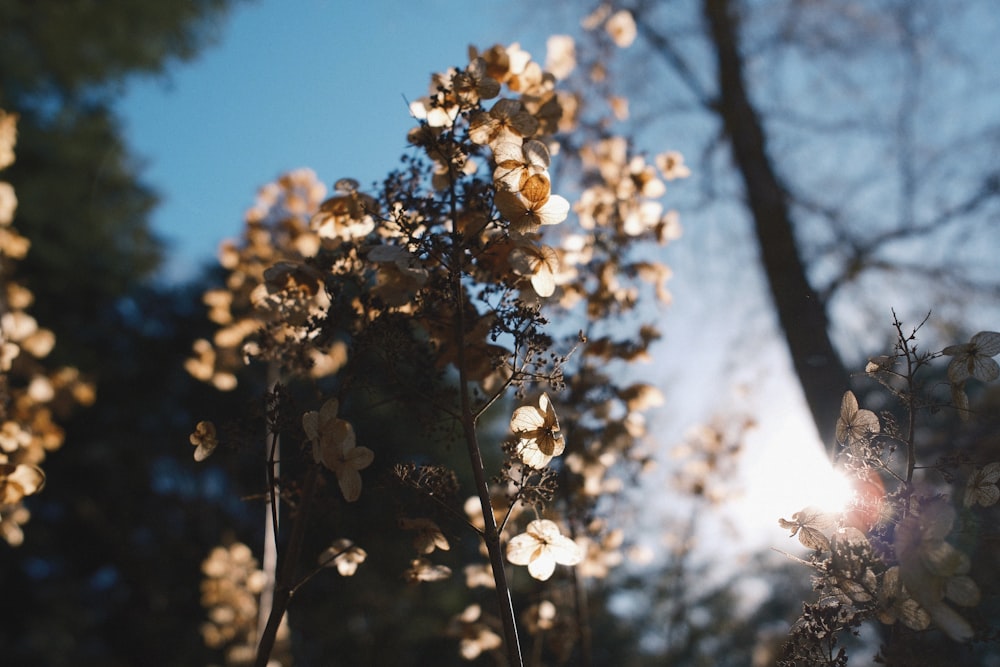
<point>832,491</point>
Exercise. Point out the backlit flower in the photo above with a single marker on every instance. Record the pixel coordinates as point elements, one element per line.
<point>474,633</point>
<point>933,571</point>
<point>506,121</point>
<point>399,275</point>
<point>429,536</point>
<point>8,203</point>
<point>560,55</point>
<point>474,84</point>
<point>8,137</point>
<point>479,574</point>
<point>526,216</point>
<point>18,481</point>
<point>855,426</point>
<point>334,446</point>
<point>205,439</point>
<point>811,526</point>
<point>621,28</point>
<point>344,217</point>
<point>13,436</point>
<point>982,486</point>
<point>974,359</point>
<point>895,603</point>
<point>422,569</point>
<point>539,617</point>
<point>344,555</point>
<point>541,546</point>
<point>671,165</point>
<point>523,168</point>
<point>537,428</point>
<point>540,263</point>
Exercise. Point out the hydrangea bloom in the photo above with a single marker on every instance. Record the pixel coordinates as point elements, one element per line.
<point>541,546</point>
<point>344,555</point>
<point>334,446</point>
<point>933,571</point>
<point>538,431</point>
<point>205,439</point>
<point>855,426</point>
<point>974,359</point>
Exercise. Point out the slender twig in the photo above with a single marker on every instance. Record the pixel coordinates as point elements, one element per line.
<point>269,562</point>
<point>285,587</point>
<point>911,408</point>
<point>491,535</point>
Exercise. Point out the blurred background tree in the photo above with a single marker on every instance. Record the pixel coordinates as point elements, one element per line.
<point>111,574</point>
<point>855,141</point>
<point>82,203</point>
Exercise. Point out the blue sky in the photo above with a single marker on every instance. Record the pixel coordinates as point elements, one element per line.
<point>314,83</point>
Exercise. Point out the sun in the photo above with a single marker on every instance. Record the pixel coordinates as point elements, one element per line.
<point>786,469</point>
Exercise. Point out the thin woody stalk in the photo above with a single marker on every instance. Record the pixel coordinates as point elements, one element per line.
<point>491,536</point>
<point>490,533</point>
<point>270,560</point>
<point>285,585</point>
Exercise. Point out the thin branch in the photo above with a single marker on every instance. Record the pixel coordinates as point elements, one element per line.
<point>664,47</point>
<point>491,535</point>
<point>269,562</point>
<point>285,588</point>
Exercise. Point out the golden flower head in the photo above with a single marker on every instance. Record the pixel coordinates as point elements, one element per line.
<point>18,481</point>
<point>526,216</point>
<point>204,439</point>
<point>537,429</point>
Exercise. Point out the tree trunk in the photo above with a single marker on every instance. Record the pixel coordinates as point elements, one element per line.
<point>801,313</point>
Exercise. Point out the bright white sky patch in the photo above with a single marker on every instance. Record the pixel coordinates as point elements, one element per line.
<point>787,470</point>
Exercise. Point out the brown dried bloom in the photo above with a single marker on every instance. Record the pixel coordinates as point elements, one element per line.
<point>229,593</point>
<point>855,427</point>
<point>537,429</point>
<point>429,536</point>
<point>334,446</point>
<point>507,120</point>
<point>475,633</point>
<point>933,571</point>
<point>344,555</point>
<point>205,440</point>
<point>8,137</point>
<point>18,481</point>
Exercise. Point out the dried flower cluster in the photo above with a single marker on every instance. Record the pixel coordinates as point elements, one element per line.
<point>230,593</point>
<point>451,271</point>
<point>892,555</point>
<point>32,396</point>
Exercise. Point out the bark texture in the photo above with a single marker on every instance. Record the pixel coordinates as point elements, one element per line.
<point>801,313</point>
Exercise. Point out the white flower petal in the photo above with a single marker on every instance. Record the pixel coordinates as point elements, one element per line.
<point>522,548</point>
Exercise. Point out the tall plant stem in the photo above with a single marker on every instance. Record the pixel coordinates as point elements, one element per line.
<point>269,563</point>
<point>491,535</point>
<point>285,586</point>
